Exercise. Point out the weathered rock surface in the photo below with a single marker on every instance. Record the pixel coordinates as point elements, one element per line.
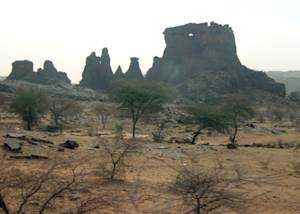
<point>134,71</point>
<point>12,145</point>
<point>97,72</point>
<point>23,70</point>
<point>119,74</point>
<point>29,157</point>
<point>59,89</point>
<point>201,60</point>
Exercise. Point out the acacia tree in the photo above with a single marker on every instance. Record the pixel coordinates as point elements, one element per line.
<point>238,110</point>
<point>29,104</point>
<point>58,108</point>
<point>140,98</point>
<point>61,108</point>
<point>102,111</point>
<point>205,117</point>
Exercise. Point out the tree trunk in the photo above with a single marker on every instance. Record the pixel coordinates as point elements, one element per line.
<point>198,208</point>
<point>233,137</point>
<point>133,128</point>
<point>196,133</point>
<point>56,120</point>
<point>113,172</point>
<point>28,125</point>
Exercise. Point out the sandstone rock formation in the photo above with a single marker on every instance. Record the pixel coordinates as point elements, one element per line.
<point>134,71</point>
<point>23,70</point>
<point>119,74</point>
<point>201,60</point>
<point>97,72</point>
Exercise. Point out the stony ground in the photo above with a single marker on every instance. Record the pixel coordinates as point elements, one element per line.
<point>273,182</point>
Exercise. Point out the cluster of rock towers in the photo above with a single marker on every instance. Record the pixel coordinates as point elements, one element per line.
<point>199,59</point>
<point>97,73</point>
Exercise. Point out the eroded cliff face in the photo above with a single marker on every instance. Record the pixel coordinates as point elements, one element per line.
<point>23,70</point>
<point>201,60</point>
<point>97,72</point>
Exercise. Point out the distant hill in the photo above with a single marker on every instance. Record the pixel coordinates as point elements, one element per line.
<point>291,79</point>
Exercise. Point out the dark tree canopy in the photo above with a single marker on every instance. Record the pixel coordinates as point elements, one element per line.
<point>206,117</point>
<point>140,97</point>
<point>30,104</point>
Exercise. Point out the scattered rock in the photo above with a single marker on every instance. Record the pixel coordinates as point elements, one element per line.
<point>232,146</point>
<point>12,146</point>
<point>179,140</point>
<point>36,140</point>
<point>60,150</point>
<point>70,144</point>
<point>31,157</point>
<point>251,125</point>
<point>31,140</point>
<point>15,135</point>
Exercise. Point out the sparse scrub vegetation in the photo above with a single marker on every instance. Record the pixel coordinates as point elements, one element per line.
<point>117,152</point>
<point>61,110</point>
<point>238,110</point>
<point>204,192</point>
<point>278,114</point>
<point>102,113</point>
<point>162,122</point>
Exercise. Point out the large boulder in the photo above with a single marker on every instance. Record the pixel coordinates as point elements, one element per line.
<point>12,145</point>
<point>97,73</point>
<point>201,60</point>
<point>70,144</point>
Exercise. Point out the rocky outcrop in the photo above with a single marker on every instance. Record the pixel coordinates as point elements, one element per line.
<point>23,70</point>
<point>97,72</point>
<point>201,60</point>
<point>134,71</point>
<point>119,74</point>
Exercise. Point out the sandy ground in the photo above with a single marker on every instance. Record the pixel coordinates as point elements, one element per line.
<point>274,186</point>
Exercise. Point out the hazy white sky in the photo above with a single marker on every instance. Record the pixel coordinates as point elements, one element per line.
<point>66,31</point>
